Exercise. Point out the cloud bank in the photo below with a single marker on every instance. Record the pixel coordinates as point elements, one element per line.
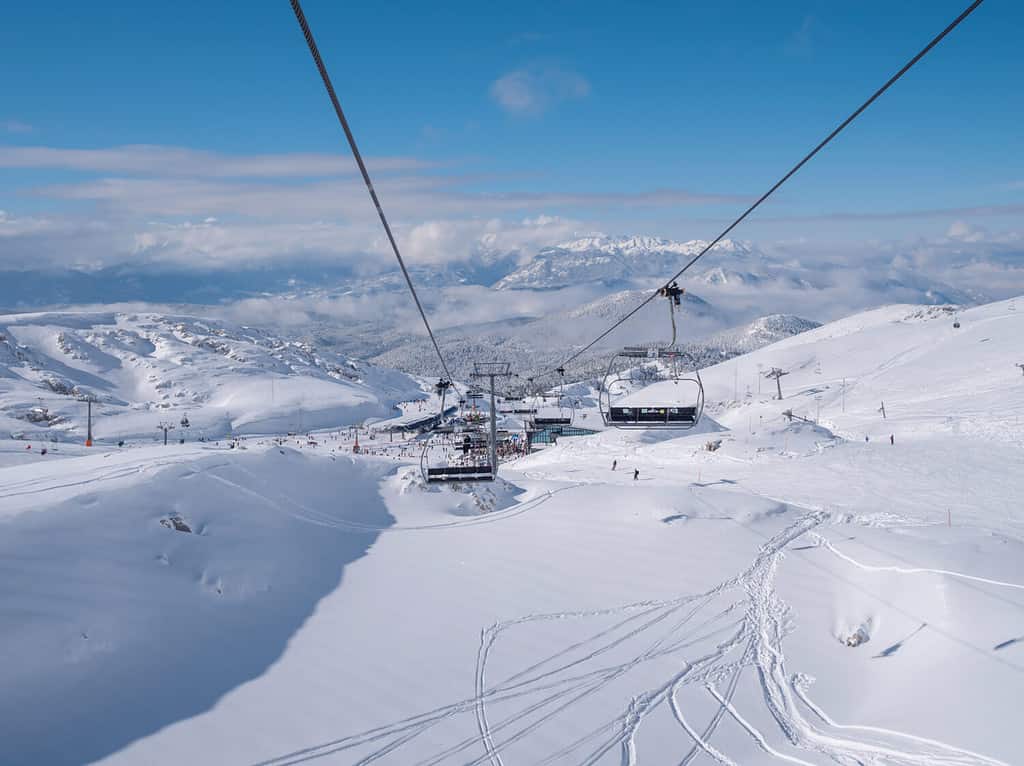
<point>173,206</point>
<point>534,90</point>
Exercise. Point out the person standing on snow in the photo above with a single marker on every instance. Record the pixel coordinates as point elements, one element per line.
<point>615,463</point>
<point>636,474</point>
<point>892,439</point>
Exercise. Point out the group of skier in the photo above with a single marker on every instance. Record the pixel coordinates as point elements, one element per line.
<point>636,471</point>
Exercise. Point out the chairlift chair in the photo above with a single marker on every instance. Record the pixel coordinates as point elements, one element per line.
<point>564,411</point>
<point>465,460</point>
<point>676,411</point>
<point>517,403</point>
<point>561,413</point>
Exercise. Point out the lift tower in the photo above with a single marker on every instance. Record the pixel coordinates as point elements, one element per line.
<point>492,370</point>
<point>88,399</point>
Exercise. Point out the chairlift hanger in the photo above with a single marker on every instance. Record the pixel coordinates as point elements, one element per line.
<point>660,415</point>
<point>448,463</point>
<point>566,412</point>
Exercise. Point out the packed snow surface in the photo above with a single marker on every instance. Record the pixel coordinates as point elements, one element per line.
<point>805,581</point>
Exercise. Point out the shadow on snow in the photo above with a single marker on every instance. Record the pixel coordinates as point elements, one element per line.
<point>117,626</point>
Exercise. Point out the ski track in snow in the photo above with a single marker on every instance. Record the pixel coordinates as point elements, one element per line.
<point>537,695</point>
<point>64,479</point>
<point>824,543</point>
<point>309,515</point>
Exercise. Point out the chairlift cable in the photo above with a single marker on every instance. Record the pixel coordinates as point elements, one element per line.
<point>839,129</point>
<point>315,51</point>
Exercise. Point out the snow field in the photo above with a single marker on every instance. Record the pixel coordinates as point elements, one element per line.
<point>797,595</point>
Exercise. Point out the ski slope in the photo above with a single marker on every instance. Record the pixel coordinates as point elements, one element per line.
<point>800,594</point>
<point>144,369</point>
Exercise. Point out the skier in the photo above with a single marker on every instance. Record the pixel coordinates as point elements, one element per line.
<point>892,439</point>
<point>636,474</point>
<point>615,463</point>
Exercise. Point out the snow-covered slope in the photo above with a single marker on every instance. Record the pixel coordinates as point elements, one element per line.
<point>933,377</point>
<point>144,369</point>
<point>768,590</point>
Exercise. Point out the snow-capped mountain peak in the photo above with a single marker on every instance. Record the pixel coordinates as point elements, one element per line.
<point>640,245</point>
<point>611,259</point>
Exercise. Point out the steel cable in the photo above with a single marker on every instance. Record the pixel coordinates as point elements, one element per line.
<point>874,96</point>
<point>315,51</point>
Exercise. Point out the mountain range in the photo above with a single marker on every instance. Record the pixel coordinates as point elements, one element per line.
<point>531,307</point>
<point>612,260</point>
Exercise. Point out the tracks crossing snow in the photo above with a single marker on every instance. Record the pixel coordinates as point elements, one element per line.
<point>539,694</point>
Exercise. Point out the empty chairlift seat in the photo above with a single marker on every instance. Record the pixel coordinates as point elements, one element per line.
<point>649,416</point>
<point>541,422</point>
<point>673,397</point>
<point>460,473</point>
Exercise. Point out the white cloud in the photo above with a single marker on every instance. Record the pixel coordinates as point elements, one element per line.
<point>449,307</point>
<point>178,161</point>
<point>404,196</point>
<point>444,241</point>
<point>237,244</point>
<point>954,213</point>
<point>533,90</point>
<point>12,226</point>
<point>439,241</point>
<point>174,209</point>
<point>965,232</point>
<point>147,205</point>
<point>534,233</point>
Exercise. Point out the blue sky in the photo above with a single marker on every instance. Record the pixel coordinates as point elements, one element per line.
<point>661,118</point>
